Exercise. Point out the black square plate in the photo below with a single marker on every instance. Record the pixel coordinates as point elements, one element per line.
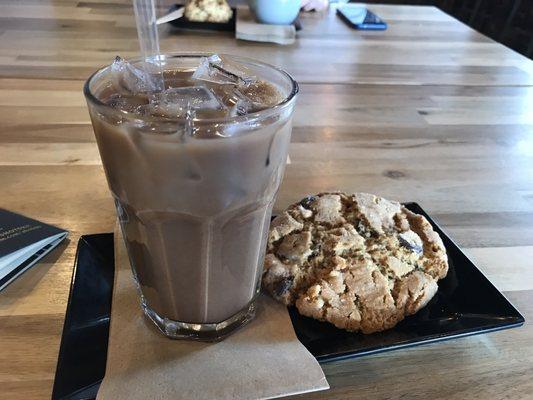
<point>465,304</point>
<point>184,23</point>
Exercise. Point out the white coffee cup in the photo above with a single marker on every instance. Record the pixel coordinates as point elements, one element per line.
<point>276,12</point>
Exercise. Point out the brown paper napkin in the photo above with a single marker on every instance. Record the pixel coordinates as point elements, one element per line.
<point>247,28</point>
<point>263,360</point>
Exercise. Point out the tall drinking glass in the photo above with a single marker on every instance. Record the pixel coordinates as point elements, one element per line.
<point>194,197</point>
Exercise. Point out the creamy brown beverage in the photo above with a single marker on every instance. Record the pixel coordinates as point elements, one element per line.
<point>194,171</point>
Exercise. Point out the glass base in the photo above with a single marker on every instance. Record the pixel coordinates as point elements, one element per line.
<point>201,332</point>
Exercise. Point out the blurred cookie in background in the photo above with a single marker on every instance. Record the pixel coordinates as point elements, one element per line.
<point>208,11</point>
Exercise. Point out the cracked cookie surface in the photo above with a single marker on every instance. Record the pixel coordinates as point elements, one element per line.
<point>358,261</point>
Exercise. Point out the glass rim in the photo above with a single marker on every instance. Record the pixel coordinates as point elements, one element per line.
<point>278,108</point>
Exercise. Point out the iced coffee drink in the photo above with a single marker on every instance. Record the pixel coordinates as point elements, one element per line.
<point>194,170</point>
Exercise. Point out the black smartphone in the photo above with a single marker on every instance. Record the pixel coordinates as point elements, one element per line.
<point>360,17</point>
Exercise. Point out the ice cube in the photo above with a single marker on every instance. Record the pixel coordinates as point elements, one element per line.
<point>128,79</point>
<point>216,70</point>
<point>261,94</point>
<point>234,100</point>
<point>243,99</point>
<point>130,104</point>
<point>242,104</point>
<point>176,101</point>
<point>197,96</point>
<point>190,114</point>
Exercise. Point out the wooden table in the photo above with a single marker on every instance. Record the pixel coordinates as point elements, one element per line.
<point>428,111</point>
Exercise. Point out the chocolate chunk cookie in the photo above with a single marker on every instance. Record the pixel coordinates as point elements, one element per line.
<point>358,261</point>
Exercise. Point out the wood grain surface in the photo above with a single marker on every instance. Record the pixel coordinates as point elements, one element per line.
<point>428,111</point>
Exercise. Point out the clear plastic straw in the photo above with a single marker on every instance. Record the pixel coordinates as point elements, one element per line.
<point>145,18</point>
